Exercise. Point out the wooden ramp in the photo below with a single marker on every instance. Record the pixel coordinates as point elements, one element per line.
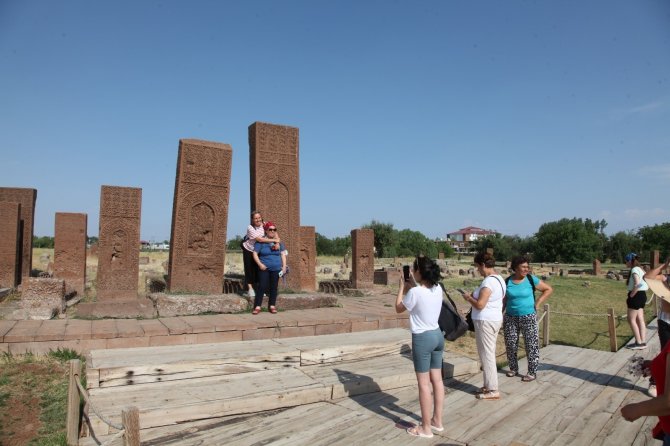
<point>176,385</point>
<point>576,400</point>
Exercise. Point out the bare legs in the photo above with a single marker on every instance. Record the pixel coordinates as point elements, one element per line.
<point>431,399</point>
<point>637,324</point>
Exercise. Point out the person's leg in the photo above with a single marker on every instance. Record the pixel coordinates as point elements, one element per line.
<point>642,325</point>
<point>273,290</point>
<point>511,334</point>
<point>421,357</point>
<point>425,401</point>
<point>531,337</point>
<point>250,269</point>
<point>488,332</point>
<point>263,283</point>
<point>632,321</point>
<point>438,397</point>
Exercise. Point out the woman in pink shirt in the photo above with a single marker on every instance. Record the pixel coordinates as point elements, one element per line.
<point>255,233</point>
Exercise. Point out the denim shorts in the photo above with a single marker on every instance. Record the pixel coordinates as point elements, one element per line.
<point>427,350</point>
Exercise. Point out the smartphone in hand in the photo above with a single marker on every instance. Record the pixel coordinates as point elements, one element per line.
<point>405,272</point>
<point>461,290</point>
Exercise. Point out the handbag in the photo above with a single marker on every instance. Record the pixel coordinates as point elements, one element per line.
<point>468,320</point>
<point>450,321</point>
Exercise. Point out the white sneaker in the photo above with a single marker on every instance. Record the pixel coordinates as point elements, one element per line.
<point>652,391</point>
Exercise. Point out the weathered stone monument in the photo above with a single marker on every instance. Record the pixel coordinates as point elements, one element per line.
<point>308,258</point>
<point>119,243</point>
<point>362,258</point>
<point>10,244</point>
<point>440,255</point>
<point>596,267</point>
<point>70,250</point>
<point>26,198</point>
<point>200,217</point>
<point>275,187</point>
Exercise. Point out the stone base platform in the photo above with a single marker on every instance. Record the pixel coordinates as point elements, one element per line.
<point>126,309</point>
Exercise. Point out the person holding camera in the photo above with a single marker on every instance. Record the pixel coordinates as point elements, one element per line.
<point>271,261</point>
<point>487,303</point>
<point>419,293</point>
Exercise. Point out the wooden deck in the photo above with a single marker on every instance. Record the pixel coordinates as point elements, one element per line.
<point>576,400</point>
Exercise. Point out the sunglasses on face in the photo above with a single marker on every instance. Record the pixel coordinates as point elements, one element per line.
<point>272,229</point>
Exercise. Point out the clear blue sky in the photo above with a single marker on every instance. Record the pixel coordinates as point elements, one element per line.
<point>430,115</point>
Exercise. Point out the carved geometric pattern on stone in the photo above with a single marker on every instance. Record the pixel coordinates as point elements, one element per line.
<point>70,250</point>
<point>362,241</point>
<point>200,217</point>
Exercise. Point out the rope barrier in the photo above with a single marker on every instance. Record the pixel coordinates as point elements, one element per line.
<point>579,314</point>
<point>114,437</point>
<point>84,394</point>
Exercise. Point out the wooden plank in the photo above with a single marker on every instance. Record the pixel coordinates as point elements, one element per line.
<point>177,401</point>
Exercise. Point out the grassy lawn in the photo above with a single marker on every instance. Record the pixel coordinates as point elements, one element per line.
<point>586,295</point>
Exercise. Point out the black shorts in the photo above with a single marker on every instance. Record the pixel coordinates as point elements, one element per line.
<point>638,301</point>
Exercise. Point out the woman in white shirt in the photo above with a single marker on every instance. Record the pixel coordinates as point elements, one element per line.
<point>636,300</point>
<point>487,304</point>
<point>422,297</point>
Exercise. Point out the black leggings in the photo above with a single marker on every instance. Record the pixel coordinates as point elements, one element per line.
<point>250,269</point>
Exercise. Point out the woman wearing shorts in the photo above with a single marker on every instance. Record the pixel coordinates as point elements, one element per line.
<point>422,297</point>
<point>637,298</point>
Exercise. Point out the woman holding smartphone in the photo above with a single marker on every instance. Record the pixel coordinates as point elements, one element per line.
<point>421,295</point>
<point>487,304</point>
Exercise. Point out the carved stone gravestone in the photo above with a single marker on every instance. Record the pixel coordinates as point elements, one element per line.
<point>596,267</point>
<point>27,198</point>
<point>200,217</point>
<point>70,250</point>
<point>275,187</point>
<point>10,244</point>
<point>362,256</point>
<point>119,243</point>
<point>308,258</point>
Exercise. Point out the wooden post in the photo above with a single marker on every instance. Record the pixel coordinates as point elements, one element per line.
<point>612,326</point>
<point>73,414</point>
<point>130,418</point>
<point>545,326</point>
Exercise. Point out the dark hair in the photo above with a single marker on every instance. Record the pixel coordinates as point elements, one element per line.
<point>518,260</point>
<point>254,213</point>
<point>429,269</point>
<point>486,259</point>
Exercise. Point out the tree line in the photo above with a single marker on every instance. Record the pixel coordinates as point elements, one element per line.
<point>573,240</point>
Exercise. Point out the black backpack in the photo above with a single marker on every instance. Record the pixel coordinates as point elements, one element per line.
<point>451,323</point>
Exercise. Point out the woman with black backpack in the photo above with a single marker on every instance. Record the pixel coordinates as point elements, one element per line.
<point>520,308</point>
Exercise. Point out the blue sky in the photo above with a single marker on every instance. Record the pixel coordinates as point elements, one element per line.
<point>430,115</point>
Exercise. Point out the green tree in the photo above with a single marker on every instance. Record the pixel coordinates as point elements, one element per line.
<point>233,244</point>
<point>569,240</point>
<point>656,237</point>
<point>43,242</point>
<point>385,238</point>
<point>501,245</point>
<point>620,244</point>
<point>411,243</point>
<point>445,248</point>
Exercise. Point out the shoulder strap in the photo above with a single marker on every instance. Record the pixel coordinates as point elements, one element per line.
<point>448,297</point>
<point>532,282</point>
<point>501,285</point>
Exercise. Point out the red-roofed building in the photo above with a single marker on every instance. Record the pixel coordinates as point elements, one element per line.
<point>462,239</point>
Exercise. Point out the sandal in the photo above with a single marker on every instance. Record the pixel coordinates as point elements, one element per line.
<point>490,395</point>
<point>256,310</point>
<point>273,310</point>
<point>511,374</point>
<point>481,390</point>
<point>528,378</point>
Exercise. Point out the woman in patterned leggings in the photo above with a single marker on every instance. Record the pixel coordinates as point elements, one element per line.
<point>521,316</point>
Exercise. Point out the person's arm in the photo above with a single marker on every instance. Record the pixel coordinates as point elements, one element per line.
<point>546,292</point>
<point>656,272</point>
<point>659,406</point>
<point>479,304</point>
<point>258,262</point>
<point>403,288</point>
<point>636,283</point>
<point>283,262</point>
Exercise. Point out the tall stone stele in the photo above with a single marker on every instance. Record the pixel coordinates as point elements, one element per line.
<point>119,243</point>
<point>275,187</point>
<point>26,198</point>
<point>10,244</point>
<point>362,258</point>
<point>200,217</point>
<point>70,250</point>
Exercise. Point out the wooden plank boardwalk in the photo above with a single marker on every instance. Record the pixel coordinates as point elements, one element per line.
<point>576,400</point>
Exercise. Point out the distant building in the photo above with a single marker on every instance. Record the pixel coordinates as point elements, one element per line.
<point>461,240</point>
